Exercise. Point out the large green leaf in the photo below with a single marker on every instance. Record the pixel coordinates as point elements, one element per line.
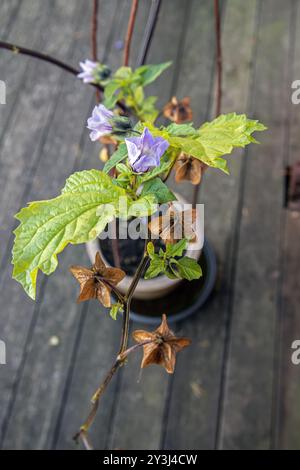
<point>195,148</point>
<point>189,145</point>
<point>88,202</point>
<point>182,129</point>
<point>221,135</point>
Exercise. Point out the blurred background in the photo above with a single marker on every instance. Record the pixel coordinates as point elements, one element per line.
<point>236,386</point>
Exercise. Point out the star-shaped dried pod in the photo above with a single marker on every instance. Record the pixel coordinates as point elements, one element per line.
<point>97,282</point>
<point>178,111</point>
<point>189,168</point>
<point>162,346</point>
<point>175,225</point>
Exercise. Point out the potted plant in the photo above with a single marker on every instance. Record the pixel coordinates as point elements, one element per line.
<point>132,189</point>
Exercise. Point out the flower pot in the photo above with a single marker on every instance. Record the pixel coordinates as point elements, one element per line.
<point>150,288</point>
<point>186,300</point>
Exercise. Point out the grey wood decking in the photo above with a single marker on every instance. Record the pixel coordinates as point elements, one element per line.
<point>235,387</point>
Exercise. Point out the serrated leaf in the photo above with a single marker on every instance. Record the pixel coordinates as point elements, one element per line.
<point>119,155</point>
<point>88,202</point>
<point>195,148</point>
<point>156,267</point>
<point>188,268</point>
<point>149,73</point>
<point>221,135</point>
<point>144,206</point>
<point>177,249</point>
<point>160,191</point>
<point>182,129</point>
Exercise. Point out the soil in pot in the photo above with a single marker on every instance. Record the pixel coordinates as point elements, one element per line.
<point>185,300</point>
<point>131,252</point>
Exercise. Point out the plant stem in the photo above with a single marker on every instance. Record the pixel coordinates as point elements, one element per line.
<point>123,351</point>
<point>219,57</point>
<point>128,297</point>
<point>94,31</point>
<point>83,433</point>
<point>149,31</point>
<point>133,12</point>
<point>112,287</point>
<point>52,60</point>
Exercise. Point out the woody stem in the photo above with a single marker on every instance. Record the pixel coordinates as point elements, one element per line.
<point>122,354</point>
<point>52,60</point>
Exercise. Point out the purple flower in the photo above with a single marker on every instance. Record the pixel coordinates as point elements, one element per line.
<point>93,72</point>
<point>145,152</point>
<point>88,71</point>
<point>100,123</point>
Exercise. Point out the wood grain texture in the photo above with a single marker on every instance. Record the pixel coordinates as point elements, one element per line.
<point>194,400</point>
<point>287,409</point>
<point>147,396</point>
<point>17,18</point>
<point>99,336</point>
<point>49,156</point>
<point>248,394</point>
<point>235,387</point>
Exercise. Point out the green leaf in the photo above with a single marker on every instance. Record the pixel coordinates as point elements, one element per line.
<point>176,249</point>
<point>188,268</point>
<point>88,202</point>
<point>150,249</point>
<point>162,168</point>
<point>156,267</point>
<point>123,73</point>
<point>195,148</point>
<point>221,135</point>
<point>149,73</point>
<point>139,95</point>
<point>124,169</point>
<point>160,191</point>
<point>119,155</point>
<point>115,309</point>
<point>182,129</point>
<point>110,95</point>
<point>144,206</point>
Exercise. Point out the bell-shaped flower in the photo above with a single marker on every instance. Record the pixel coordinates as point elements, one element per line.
<point>145,152</point>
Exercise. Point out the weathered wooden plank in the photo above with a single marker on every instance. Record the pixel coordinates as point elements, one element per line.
<point>57,314</point>
<point>19,316</point>
<point>17,18</point>
<point>176,29</point>
<point>287,416</point>
<point>20,150</point>
<point>9,14</point>
<point>248,391</point>
<point>193,403</point>
<point>98,336</point>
